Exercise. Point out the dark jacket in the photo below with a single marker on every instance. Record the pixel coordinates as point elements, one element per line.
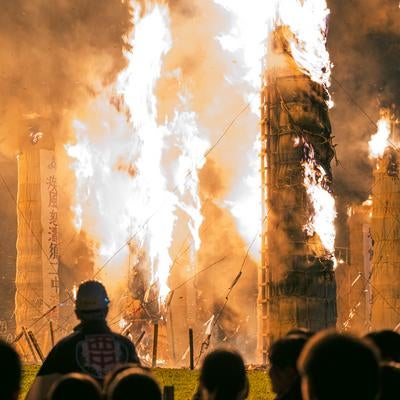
<point>92,349</point>
<point>294,393</point>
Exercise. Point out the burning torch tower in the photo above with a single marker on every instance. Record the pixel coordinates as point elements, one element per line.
<point>296,280</point>
<point>385,226</point>
<point>37,289</point>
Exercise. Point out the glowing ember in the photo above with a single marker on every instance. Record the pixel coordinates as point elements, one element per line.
<point>380,140</point>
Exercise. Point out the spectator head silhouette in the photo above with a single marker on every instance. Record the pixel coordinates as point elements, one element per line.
<point>300,332</point>
<point>10,372</point>
<point>73,386</point>
<point>91,301</point>
<point>133,383</point>
<point>388,344</point>
<point>390,381</point>
<point>109,378</point>
<point>223,376</point>
<point>283,357</point>
<point>338,366</point>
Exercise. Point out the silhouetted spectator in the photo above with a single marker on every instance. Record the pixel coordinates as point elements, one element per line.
<point>10,372</point>
<point>390,381</point>
<point>388,343</point>
<point>133,383</point>
<point>300,332</point>
<point>92,349</point>
<point>115,371</point>
<point>336,366</point>
<point>283,357</point>
<point>75,386</point>
<point>223,376</point>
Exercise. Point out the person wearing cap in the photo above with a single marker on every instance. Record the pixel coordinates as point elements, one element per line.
<point>91,349</point>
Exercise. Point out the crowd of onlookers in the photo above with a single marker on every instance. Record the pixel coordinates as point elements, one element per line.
<point>324,366</point>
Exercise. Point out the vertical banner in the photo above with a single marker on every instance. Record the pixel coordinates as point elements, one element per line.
<point>49,219</point>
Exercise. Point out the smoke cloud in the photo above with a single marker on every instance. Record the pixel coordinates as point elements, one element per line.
<point>213,76</point>
<point>364,42</point>
<point>55,56</point>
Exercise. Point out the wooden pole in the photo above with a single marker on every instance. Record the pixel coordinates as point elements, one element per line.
<point>169,393</point>
<point>155,344</point>
<point>21,347</point>
<point>18,337</point>
<point>36,345</point>
<point>127,329</point>
<point>171,341</point>
<point>140,338</point>
<point>28,340</point>
<point>51,333</point>
<point>191,348</point>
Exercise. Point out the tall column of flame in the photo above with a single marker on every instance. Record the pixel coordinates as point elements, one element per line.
<point>123,191</point>
<point>305,24</point>
<point>254,22</point>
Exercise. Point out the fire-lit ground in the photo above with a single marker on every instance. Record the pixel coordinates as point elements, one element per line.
<point>184,382</point>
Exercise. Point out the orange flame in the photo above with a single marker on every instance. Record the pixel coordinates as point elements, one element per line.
<point>124,193</point>
<point>323,219</point>
<point>253,23</point>
<point>380,140</point>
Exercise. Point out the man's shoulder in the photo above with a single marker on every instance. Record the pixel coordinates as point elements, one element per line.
<point>121,338</point>
<point>129,346</point>
<point>60,358</point>
<point>68,340</point>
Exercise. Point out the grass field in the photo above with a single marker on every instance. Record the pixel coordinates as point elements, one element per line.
<point>185,382</point>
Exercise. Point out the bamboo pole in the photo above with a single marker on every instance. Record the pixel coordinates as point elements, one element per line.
<point>18,337</point>
<point>169,393</point>
<point>51,333</point>
<point>139,339</point>
<point>155,344</point>
<point>36,345</point>
<point>28,340</point>
<point>191,348</point>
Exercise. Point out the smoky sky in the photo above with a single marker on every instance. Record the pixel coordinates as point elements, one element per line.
<point>55,55</point>
<point>364,43</point>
